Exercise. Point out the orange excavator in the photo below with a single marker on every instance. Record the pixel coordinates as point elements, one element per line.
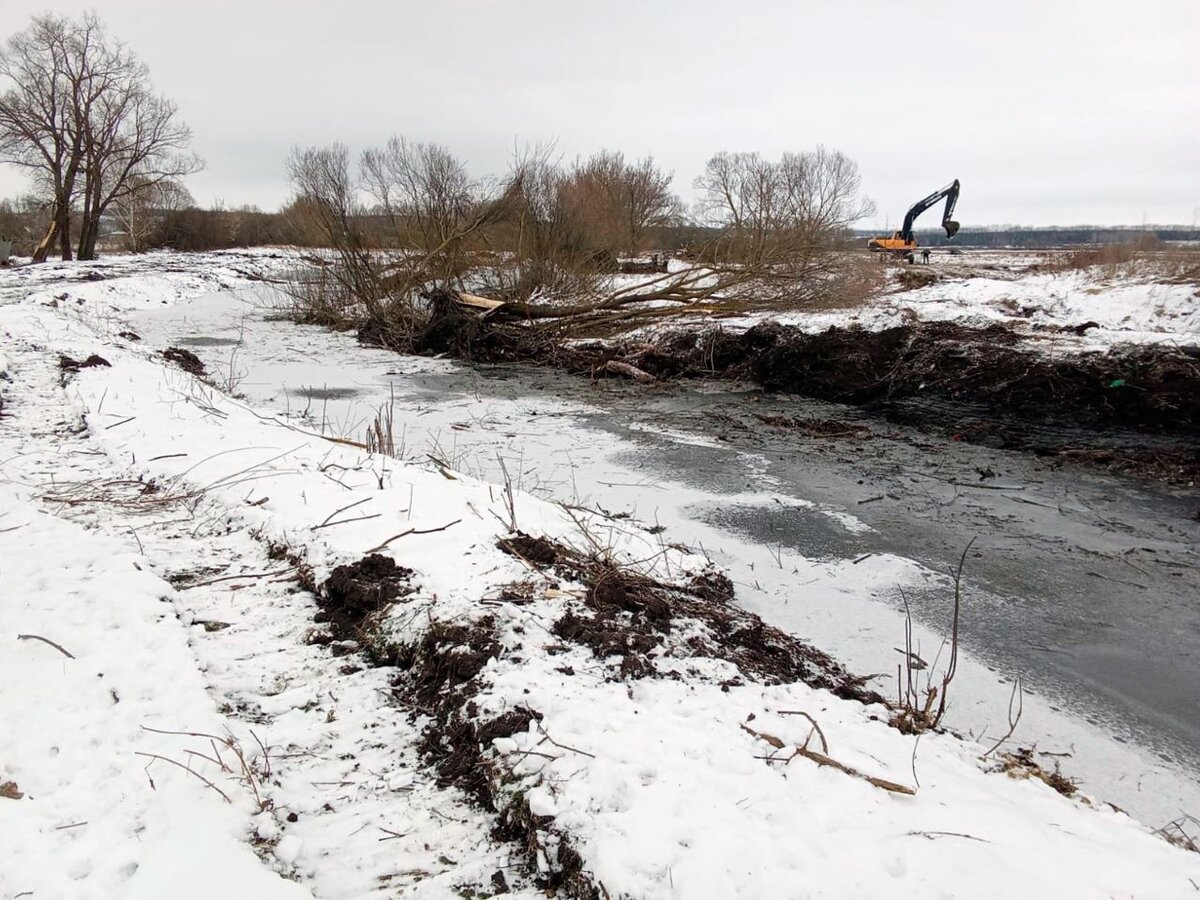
<point>903,243</point>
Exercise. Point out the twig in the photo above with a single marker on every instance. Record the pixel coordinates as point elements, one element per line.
<point>37,637</point>
<point>822,760</point>
<point>188,587</point>
<point>342,510</point>
<point>933,835</point>
<point>1017,698</point>
<point>167,759</point>
<point>346,521</point>
<point>200,734</point>
<point>563,746</point>
<point>816,727</point>
<point>396,537</point>
<point>122,422</point>
<point>952,666</point>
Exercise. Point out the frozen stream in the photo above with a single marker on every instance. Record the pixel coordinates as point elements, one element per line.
<point>1083,585</point>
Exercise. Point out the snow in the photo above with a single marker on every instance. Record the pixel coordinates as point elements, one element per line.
<point>655,782</point>
<point>679,801</point>
<point>1135,306</point>
<point>98,820</point>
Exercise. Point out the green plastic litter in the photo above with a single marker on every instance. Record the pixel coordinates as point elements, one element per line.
<point>1117,382</point>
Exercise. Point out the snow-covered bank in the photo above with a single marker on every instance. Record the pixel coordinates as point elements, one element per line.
<point>96,809</point>
<point>668,796</point>
<point>1138,305</point>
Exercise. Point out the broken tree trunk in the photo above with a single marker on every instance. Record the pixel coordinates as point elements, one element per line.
<point>616,367</point>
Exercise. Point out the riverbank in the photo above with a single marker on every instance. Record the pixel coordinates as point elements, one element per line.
<point>267,491</point>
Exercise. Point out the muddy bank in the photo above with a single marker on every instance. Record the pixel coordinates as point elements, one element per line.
<point>982,385</point>
<point>1146,389</point>
<point>634,626</point>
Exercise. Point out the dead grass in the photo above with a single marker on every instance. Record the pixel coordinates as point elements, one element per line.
<point>1146,258</point>
<point>1021,764</point>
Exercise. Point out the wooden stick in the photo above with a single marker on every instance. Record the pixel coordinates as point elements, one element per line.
<point>188,587</point>
<point>396,537</point>
<point>342,510</point>
<point>346,521</point>
<point>816,727</point>
<point>822,759</point>
<point>37,637</point>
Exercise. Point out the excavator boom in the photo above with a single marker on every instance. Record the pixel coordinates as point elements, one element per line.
<point>950,192</point>
<point>903,242</point>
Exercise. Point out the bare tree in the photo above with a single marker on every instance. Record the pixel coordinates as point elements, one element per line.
<point>780,210</point>
<point>427,197</point>
<point>138,211</point>
<point>614,202</point>
<point>80,108</point>
<point>649,201</point>
<point>41,112</point>
<point>132,140</point>
<point>821,194</point>
<point>326,203</point>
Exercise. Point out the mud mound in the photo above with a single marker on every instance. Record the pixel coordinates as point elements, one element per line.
<point>628,615</point>
<point>355,595</point>
<point>983,385</point>
<point>910,279</point>
<point>438,677</point>
<point>441,678</point>
<point>535,550</point>
<point>67,364</point>
<point>448,657</point>
<point>186,360</point>
<point>1147,389</point>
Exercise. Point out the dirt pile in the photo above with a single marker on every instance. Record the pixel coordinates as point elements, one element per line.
<point>1145,389</point>
<point>67,364</point>
<point>186,360</point>
<point>355,599</point>
<point>640,627</point>
<point>626,616</point>
<point>982,385</point>
<point>988,371</point>
<point>438,677</point>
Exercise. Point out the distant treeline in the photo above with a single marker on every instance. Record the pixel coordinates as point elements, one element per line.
<point>1049,238</point>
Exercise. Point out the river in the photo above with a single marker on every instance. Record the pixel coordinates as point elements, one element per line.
<point>1082,585</point>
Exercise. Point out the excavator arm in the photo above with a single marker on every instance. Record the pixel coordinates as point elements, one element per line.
<point>950,192</point>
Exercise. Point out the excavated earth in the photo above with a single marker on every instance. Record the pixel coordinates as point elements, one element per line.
<point>624,618</point>
<point>1134,409</point>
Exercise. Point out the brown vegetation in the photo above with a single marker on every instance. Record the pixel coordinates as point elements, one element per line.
<point>541,244</point>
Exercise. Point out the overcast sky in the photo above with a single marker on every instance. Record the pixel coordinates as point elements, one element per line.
<point>1050,112</point>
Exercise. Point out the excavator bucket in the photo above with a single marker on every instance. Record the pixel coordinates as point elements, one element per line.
<point>951,228</point>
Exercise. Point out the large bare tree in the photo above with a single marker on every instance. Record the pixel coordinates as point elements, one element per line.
<point>427,197</point>
<point>614,202</point>
<point>80,113</point>
<point>780,210</point>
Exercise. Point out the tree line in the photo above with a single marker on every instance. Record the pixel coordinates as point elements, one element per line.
<point>79,113</point>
